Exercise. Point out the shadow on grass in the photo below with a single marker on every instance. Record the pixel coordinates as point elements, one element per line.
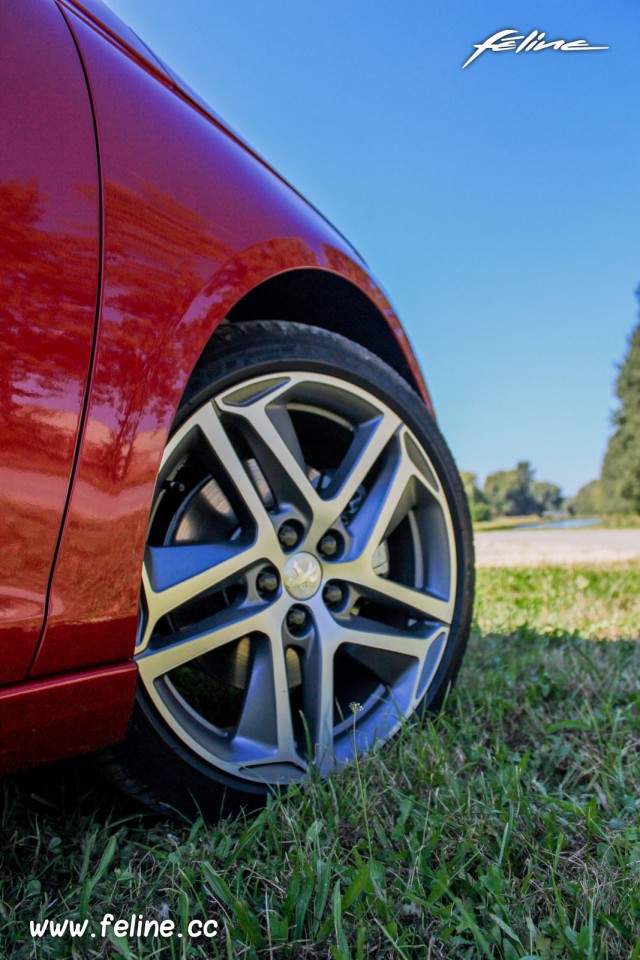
<point>65,797</point>
<point>504,677</point>
<point>518,802</point>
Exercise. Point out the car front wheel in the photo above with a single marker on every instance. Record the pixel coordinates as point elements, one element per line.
<point>308,575</point>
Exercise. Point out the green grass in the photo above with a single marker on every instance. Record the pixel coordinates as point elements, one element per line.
<point>507,828</point>
<point>621,521</point>
<point>592,602</point>
<point>507,523</point>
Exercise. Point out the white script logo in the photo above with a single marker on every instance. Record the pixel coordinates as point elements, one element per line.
<point>512,40</point>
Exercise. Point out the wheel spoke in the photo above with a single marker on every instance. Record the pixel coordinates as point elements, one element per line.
<point>186,645</point>
<point>212,430</point>
<point>422,603</point>
<point>279,455</point>
<point>174,575</point>
<point>282,424</point>
<point>317,699</point>
<point>376,638</point>
<point>417,602</point>
<point>424,471</point>
<point>377,648</point>
<point>286,740</point>
<point>368,444</point>
<point>385,506</point>
<point>177,574</point>
<point>266,711</point>
<point>258,717</point>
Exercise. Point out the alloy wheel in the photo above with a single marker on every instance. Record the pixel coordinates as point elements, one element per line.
<point>299,579</point>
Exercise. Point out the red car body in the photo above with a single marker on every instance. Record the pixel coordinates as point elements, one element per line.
<point>134,223</point>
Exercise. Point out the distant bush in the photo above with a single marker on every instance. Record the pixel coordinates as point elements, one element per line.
<point>515,493</point>
<point>480,512</point>
<point>478,506</point>
<point>588,500</point>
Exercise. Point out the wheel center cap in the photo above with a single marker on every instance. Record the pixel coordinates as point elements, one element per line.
<point>302,576</point>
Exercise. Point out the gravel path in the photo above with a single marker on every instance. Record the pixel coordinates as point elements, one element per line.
<point>532,548</point>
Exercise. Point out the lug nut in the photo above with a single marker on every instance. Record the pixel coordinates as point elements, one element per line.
<point>267,582</point>
<point>288,535</point>
<point>329,545</point>
<point>173,485</point>
<point>296,619</point>
<point>332,594</point>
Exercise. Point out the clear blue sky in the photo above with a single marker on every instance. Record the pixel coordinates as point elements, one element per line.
<point>499,206</point>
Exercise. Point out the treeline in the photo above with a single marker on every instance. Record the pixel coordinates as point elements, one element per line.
<point>617,491</point>
<point>511,493</point>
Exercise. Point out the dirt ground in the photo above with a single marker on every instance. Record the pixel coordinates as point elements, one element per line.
<point>532,548</point>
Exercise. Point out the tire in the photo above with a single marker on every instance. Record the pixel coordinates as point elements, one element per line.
<point>308,577</point>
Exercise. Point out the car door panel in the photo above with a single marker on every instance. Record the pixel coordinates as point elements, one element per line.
<point>49,274</point>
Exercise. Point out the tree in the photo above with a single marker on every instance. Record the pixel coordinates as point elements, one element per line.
<point>478,506</point>
<point>587,501</point>
<point>514,493</point>
<point>547,496</point>
<point>509,492</point>
<point>621,466</point>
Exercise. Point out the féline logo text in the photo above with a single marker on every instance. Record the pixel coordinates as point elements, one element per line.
<point>512,40</point>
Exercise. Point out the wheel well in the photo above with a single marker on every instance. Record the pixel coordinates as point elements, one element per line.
<point>325,300</point>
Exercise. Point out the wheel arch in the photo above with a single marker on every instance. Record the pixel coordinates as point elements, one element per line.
<point>322,298</point>
<point>283,279</point>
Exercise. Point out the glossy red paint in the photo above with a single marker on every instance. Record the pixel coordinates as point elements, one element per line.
<point>119,32</point>
<point>192,221</point>
<point>56,718</point>
<point>188,221</point>
<point>49,251</point>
